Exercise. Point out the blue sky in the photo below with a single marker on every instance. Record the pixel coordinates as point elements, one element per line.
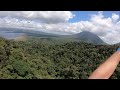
<point>85,15</point>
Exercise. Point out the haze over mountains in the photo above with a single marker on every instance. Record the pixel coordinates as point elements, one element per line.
<point>85,36</point>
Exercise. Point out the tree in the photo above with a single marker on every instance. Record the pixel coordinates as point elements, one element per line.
<point>21,68</point>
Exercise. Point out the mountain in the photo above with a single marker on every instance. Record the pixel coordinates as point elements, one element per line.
<point>16,32</point>
<point>88,37</point>
<point>84,36</point>
<point>26,31</point>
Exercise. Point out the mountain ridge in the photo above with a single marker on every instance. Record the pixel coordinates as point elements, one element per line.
<point>84,36</point>
<point>89,37</point>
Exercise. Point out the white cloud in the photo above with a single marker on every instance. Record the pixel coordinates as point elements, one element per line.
<point>107,28</point>
<point>115,17</point>
<point>41,16</point>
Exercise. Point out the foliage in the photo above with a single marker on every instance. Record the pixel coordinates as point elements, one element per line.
<point>44,59</point>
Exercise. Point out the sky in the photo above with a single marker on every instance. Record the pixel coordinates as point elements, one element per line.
<point>105,24</point>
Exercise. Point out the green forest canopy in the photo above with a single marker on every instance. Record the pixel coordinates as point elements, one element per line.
<point>47,59</point>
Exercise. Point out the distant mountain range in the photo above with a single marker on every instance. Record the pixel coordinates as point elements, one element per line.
<point>84,36</point>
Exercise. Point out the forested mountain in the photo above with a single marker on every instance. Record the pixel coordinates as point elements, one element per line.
<point>43,59</point>
<point>84,36</point>
<point>89,37</point>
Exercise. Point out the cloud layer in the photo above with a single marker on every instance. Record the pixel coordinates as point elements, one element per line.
<point>107,28</point>
<point>40,16</point>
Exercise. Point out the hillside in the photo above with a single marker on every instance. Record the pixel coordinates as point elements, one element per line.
<point>38,59</point>
<point>84,36</point>
<point>88,37</point>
